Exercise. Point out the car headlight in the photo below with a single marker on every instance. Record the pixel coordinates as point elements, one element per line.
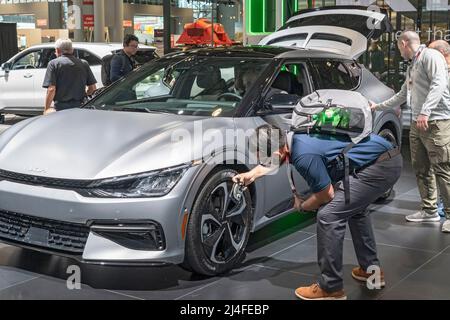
<point>151,184</point>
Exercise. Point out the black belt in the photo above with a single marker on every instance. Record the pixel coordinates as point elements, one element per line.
<point>389,155</point>
<point>342,161</point>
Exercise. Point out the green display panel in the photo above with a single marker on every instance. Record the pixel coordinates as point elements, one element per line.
<point>255,12</point>
<point>261,14</point>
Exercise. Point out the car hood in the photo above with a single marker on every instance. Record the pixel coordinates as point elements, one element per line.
<point>92,144</point>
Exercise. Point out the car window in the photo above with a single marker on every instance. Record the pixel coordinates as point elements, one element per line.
<point>90,58</point>
<point>224,82</point>
<point>288,87</point>
<point>355,72</point>
<point>28,61</point>
<point>157,84</point>
<point>331,74</point>
<point>187,85</point>
<point>46,56</point>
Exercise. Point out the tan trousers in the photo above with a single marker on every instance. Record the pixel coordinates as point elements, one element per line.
<point>430,155</point>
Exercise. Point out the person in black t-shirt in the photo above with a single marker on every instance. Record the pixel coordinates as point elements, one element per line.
<point>68,80</point>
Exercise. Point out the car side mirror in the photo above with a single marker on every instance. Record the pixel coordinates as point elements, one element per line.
<point>6,66</point>
<point>283,101</point>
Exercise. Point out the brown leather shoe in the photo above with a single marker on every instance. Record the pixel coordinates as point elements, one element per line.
<point>314,292</point>
<point>360,275</point>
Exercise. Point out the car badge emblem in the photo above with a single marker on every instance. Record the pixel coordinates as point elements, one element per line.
<point>37,170</point>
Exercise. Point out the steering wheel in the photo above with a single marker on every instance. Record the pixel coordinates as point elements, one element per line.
<point>230,95</point>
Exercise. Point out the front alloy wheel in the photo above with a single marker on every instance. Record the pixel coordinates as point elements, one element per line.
<point>219,226</point>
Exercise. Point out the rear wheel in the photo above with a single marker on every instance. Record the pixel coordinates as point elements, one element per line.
<point>387,134</point>
<point>218,228</point>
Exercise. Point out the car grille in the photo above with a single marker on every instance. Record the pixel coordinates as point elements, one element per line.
<point>44,181</point>
<point>50,234</point>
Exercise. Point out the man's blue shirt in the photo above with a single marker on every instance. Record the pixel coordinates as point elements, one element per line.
<point>312,156</point>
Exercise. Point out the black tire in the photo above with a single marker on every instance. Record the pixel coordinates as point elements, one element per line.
<point>389,136</point>
<point>216,238</point>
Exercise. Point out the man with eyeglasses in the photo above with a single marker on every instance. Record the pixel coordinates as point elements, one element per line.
<point>122,63</point>
<point>426,92</point>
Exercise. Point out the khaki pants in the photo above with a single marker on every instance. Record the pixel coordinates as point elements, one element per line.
<point>430,155</point>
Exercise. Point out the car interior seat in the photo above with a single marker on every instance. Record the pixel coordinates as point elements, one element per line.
<point>287,82</point>
<point>210,80</point>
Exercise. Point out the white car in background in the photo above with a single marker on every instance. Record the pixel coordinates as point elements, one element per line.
<point>21,77</point>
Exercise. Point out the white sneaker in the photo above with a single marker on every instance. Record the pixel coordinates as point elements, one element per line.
<point>446,226</point>
<point>422,216</point>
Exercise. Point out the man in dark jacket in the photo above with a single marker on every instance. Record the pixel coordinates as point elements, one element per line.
<point>122,63</point>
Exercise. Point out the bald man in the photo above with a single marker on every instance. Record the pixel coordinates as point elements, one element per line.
<point>426,92</point>
<point>443,47</point>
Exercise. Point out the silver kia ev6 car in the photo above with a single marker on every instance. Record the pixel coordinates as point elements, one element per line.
<point>142,173</point>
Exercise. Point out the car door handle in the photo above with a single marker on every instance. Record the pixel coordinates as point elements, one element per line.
<point>28,75</point>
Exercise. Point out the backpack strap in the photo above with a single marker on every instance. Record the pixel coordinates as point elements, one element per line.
<point>124,61</point>
<point>288,137</point>
<point>344,155</point>
<point>291,178</point>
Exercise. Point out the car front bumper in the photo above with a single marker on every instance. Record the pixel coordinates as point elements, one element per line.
<point>34,216</point>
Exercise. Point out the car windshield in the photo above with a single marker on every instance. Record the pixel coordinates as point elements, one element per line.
<point>196,85</point>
